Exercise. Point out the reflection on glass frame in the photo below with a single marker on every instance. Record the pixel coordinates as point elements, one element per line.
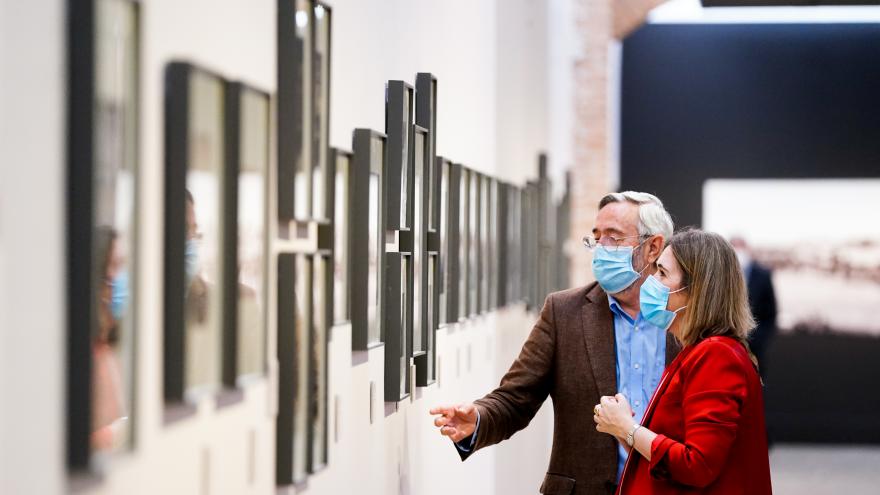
<point>194,248</point>
<point>294,378</point>
<point>320,127</point>
<point>103,170</point>
<point>367,238</point>
<point>341,163</point>
<point>398,174</point>
<point>397,321</point>
<point>322,314</point>
<point>246,233</point>
<point>464,247</point>
<point>295,53</point>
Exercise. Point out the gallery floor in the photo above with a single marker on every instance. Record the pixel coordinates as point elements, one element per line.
<point>824,470</point>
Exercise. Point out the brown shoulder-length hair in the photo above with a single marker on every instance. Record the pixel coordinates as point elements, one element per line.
<point>718,301</point>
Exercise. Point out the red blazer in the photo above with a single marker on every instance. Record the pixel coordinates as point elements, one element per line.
<point>708,414</point>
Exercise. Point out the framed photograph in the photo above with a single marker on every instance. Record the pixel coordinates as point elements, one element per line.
<point>485,243</point>
<point>322,314</point>
<point>532,238</point>
<point>420,213</point>
<point>475,267</point>
<point>398,321</point>
<point>367,238</point>
<point>500,243</point>
<point>103,168</point>
<point>450,192</point>
<point>426,117</point>
<point>295,111</point>
<point>245,317</point>
<point>514,225</point>
<point>466,261</point>
<point>341,163</point>
<point>293,425</point>
<point>194,249</point>
<point>398,173</point>
<point>320,127</point>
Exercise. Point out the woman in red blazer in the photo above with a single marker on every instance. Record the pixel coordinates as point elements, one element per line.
<point>703,431</point>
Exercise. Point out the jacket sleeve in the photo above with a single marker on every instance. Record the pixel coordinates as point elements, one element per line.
<point>524,388</point>
<point>712,397</point>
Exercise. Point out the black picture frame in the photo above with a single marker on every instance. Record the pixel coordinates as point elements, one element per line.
<point>465,258</point>
<point>182,110</point>
<point>341,205</point>
<point>475,267</point>
<point>367,232</point>
<point>485,233</point>
<point>321,322</point>
<point>398,323</point>
<point>426,117</point>
<point>532,239</point>
<point>502,244</point>
<point>320,127</point>
<point>294,105</point>
<point>96,123</point>
<point>293,436</point>
<point>246,187</point>
<point>450,192</point>
<point>420,212</point>
<point>399,102</point>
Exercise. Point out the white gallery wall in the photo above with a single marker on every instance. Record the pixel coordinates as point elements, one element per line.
<point>494,111</point>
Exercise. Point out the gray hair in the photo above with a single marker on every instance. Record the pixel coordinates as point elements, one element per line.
<point>653,217</point>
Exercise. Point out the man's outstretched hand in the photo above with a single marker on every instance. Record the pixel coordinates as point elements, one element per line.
<point>456,422</point>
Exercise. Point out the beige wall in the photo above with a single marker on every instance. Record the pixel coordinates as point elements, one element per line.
<point>495,86</point>
<point>31,270</point>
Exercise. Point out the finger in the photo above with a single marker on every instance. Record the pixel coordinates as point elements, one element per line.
<point>597,419</point>
<point>448,431</point>
<point>467,409</point>
<point>444,410</point>
<point>619,397</point>
<point>606,400</point>
<point>441,421</point>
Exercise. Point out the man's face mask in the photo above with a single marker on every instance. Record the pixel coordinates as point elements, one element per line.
<point>613,268</point>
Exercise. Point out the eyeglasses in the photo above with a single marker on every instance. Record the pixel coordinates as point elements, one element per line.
<point>590,242</point>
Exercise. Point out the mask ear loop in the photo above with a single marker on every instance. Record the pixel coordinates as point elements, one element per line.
<point>673,292</point>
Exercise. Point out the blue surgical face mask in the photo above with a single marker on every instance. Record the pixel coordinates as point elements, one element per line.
<point>613,268</point>
<point>119,295</point>
<point>653,299</point>
<point>191,259</point>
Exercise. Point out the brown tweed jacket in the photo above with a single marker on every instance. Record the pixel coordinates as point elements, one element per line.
<point>569,356</point>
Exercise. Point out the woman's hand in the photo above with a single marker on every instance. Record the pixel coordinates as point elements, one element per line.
<point>613,415</point>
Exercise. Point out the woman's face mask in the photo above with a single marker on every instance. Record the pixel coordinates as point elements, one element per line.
<point>613,268</point>
<point>653,299</point>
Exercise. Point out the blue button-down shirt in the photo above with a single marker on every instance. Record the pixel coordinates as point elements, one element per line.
<point>641,358</point>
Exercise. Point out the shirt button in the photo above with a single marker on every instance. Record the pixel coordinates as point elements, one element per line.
<point>638,403</point>
<point>636,366</point>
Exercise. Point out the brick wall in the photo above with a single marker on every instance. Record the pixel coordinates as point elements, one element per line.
<point>600,22</point>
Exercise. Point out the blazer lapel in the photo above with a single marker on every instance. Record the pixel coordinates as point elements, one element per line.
<point>598,330</point>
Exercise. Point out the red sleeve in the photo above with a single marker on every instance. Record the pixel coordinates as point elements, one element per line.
<point>714,388</point>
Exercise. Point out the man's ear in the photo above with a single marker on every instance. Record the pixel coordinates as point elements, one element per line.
<point>656,247</point>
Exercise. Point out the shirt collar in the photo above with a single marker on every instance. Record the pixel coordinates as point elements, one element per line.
<point>616,309</point>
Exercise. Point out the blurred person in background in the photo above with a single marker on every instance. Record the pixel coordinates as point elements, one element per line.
<point>704,430</point>
<point>588,342</point>
<point>762,300</point>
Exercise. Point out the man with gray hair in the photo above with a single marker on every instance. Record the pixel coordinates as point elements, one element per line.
<point>589,342</point>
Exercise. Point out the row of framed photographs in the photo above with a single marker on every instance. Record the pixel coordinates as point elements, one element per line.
<point>389,238</point>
